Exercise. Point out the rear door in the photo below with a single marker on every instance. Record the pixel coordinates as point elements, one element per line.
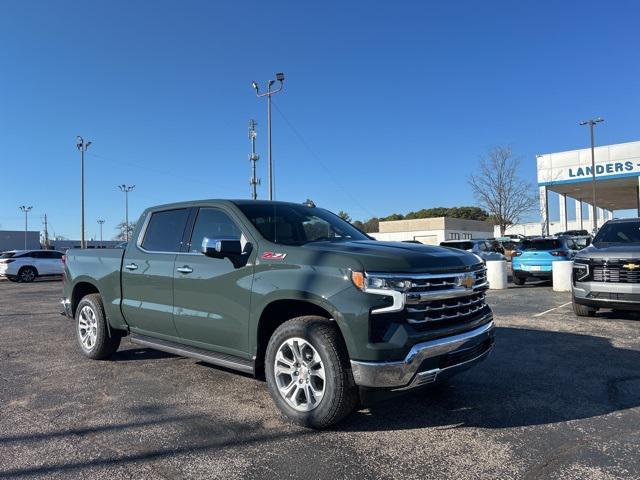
<point>211,295</point>
<point>147,273</point>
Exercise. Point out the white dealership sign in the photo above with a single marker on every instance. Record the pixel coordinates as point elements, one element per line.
<point>612,161</point>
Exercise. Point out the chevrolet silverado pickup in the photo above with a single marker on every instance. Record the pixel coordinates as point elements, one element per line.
<point>606,274</point>
<point>287,292</point>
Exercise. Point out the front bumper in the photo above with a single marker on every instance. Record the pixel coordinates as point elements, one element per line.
<point>622,296</point>
<point>427,361</point>
<point>66,307</point>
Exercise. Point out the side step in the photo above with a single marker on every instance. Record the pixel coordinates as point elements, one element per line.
<point>215,358</point>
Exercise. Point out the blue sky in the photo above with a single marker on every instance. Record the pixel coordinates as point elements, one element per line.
<point>394,101</point>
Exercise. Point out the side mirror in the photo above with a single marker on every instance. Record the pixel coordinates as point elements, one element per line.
<point>221,247</point>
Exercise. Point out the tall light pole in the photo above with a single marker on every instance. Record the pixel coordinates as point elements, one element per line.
<point>26,211</point>
<point>592,123</point>
<point>126,189</point>
<point>82,146</point>
<point>269,93</point>
<point>101,222</point>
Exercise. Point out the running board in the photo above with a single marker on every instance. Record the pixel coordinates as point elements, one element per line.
<point>215,358</point>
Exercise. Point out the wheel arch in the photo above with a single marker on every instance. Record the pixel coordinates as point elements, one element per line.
<point>275,314</point>
<point>80,290</point>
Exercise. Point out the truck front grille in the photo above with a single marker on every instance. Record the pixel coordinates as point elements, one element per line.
<point>436,303</point>
<point>615,274</point>
<point>447,309</point>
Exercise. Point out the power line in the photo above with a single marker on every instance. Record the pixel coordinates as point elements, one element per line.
<point>319,160</point>
<point>146,168</point>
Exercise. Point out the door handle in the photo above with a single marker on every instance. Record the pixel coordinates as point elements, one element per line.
<point>131,266</point>
<point>185,269</point>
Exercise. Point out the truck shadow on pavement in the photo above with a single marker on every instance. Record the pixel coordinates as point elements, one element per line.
<point>532,377</point>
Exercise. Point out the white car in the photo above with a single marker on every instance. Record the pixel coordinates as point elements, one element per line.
<point>27,265</point>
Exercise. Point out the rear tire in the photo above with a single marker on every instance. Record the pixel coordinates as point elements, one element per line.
<point>519,280</point>
<point>27,274</point>
<point>583,310</point>
<point>319,367</point>
<point>91,329</point>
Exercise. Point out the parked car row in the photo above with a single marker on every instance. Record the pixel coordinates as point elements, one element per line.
<point>27,265</point>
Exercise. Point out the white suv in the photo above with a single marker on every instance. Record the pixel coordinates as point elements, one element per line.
<point>27,265</point>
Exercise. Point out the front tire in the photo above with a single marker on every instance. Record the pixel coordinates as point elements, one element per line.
<point>27,274</point>
<point>519,280</point>
<point>583,310</point>
<point>308,372</point>
<point>91,329</point>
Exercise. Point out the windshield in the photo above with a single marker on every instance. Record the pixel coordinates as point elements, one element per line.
<point>298,224</point>
<point>547,244</point>
<point>623,232</point>
<point>7,254</point>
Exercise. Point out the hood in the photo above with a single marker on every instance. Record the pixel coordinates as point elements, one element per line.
<point>608,251</point>
<point>398,257</point>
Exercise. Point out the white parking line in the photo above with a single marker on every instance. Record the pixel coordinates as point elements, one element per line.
<point>551,309</point>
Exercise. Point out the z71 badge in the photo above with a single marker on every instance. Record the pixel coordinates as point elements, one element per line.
<point>273,256</point>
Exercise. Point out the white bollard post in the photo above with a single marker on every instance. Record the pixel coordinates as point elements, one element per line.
<point>497,274</point>
<point>562,271</point>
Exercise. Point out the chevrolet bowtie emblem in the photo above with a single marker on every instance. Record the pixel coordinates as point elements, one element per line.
<point>467,281</point>
<point>631,266</point>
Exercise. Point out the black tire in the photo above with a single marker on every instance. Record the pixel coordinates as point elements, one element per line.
<point>583,310</point>
<point>340,391</point>
<point>27,274</point>
<point>518,279</point>
<point>102,345</point>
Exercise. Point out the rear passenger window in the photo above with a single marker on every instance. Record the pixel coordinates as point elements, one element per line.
<point>164,230</point>
<point>212,223</point>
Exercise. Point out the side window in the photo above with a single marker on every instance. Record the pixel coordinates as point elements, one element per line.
<point>56,255</point>
<point>212,223</point>
<point>164,230</point>
<point>35,255</point>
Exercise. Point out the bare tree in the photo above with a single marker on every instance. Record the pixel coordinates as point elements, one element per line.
<point>122,228</point>
<point>499,190</point>
<point>344,215</point>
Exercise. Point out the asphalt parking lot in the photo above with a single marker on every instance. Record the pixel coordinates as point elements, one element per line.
<point>558,398</point>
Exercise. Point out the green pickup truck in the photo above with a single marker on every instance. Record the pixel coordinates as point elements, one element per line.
<point>288,292</point>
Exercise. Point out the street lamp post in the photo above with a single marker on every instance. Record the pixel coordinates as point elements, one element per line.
<point>101,222</point>
<point>592,123</point>
<point>82,146</point>
<point>269,93</point>
<point>126,189</point>
<point>26,211</point>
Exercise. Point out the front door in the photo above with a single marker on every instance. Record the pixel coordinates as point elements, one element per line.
<point>212,296</point>
<point>147,274</point>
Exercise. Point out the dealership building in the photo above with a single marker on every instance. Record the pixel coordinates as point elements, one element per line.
<point>568,175</point>
<point>432,231</point>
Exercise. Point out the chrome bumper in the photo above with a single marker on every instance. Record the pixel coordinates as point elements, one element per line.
<point>405,375</point>
<point>66,307</point>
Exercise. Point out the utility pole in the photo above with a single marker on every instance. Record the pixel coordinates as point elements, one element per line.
<point>82,146</point>
<point>126,189</point>
<point>253,158</point>
<point>269,93</point>
<point>46,233</point>
<point>592,123</point>
<point>26,211</point>
<point>101,222</point>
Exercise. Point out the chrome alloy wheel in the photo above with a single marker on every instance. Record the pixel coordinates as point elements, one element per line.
<point>299,374</point>
<point>27,275</point>
<point>87,327</point>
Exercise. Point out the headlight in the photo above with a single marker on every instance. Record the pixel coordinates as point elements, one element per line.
<point>378,282</point>
<point>580,271</point>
